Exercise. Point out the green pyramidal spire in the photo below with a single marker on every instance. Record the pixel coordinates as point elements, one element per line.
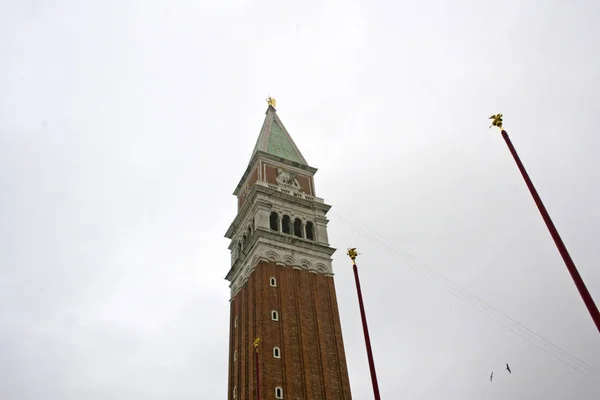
<point>275,139</point>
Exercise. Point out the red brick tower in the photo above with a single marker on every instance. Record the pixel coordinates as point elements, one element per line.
<point>282,288</point>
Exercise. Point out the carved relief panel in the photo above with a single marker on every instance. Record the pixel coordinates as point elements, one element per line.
<point>288,179</point>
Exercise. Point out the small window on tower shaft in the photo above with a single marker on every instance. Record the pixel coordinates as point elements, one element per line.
<point>274,315</point>
<point>278,392</point>
<point>234,392</point>
<point>235,322</point>
<point>273,282</point>
<point>276,352</point>
<point>234,355</point>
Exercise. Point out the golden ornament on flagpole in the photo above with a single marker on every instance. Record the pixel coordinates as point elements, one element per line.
<point>496,121</point>
<point>352,253</point>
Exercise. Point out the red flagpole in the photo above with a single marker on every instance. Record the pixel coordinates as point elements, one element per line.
<point>352,253</point>
<point>562,249</point>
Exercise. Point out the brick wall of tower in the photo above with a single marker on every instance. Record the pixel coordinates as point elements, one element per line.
<point>312,363</point>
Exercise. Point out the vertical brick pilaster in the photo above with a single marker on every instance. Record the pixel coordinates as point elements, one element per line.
<point>296,273</point>
<point>243,354</point>
<point>231,364</point>
<point>340,354</point>
<point>310,339</point>
<point>292,349</point>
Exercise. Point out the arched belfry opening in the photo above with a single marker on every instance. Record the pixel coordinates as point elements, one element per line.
<point>298,227</point>
<point>286,224</point>
<point>310,231</point>
<point>274,221</point>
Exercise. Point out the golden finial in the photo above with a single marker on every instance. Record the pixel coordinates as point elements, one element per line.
<point>271,101</point>
<point>352,253</point>
<point>256,343</point>
<point>497,121</point>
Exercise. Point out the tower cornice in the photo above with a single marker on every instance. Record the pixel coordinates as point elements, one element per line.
<point>285,244</point>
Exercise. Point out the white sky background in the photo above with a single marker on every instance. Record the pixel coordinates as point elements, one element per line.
<point>125,126</point>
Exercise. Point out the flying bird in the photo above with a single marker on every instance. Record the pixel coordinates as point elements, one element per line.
<point>508,369</point>
<point>491,376</point>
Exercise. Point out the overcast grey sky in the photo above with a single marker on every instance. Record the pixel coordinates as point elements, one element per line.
<point>125,126</point>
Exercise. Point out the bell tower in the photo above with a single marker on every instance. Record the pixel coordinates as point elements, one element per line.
<point>281,280</point>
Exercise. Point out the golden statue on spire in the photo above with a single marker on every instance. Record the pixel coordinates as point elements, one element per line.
<point>271,101</point>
